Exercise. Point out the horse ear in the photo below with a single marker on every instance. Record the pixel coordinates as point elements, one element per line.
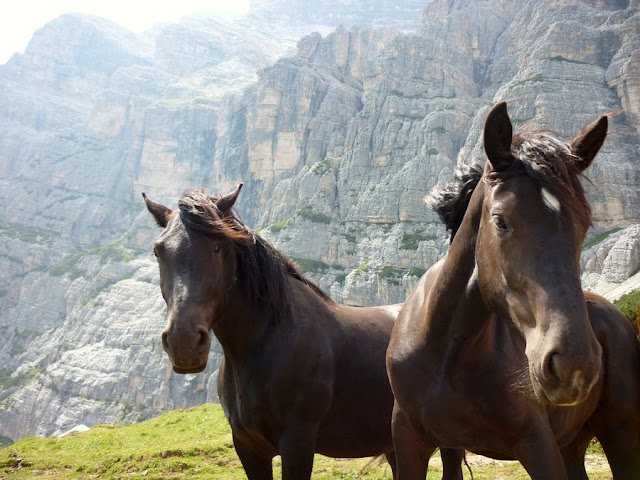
<point>159,212</point>
<point>586,145</point>
<point>498,133</point>
<point>226,202</point>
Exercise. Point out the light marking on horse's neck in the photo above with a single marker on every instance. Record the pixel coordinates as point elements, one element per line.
<point>550,200</point>
<point>473,280</point>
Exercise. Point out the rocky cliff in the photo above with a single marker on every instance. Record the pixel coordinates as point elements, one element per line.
<point>337,136</point>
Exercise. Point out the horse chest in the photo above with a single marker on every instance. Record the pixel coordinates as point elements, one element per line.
<point>465,399</point>
<point>252,422</point>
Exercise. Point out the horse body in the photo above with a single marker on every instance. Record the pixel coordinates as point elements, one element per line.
<point>498,351</point>
<point>330,374</point>
<point>301,374</point>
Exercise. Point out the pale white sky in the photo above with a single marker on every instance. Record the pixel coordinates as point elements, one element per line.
<point>19,19</point>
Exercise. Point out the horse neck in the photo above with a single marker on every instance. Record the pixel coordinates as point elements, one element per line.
<point>241,324</point>
<point>454,306</point>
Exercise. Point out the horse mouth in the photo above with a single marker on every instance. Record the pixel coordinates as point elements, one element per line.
<point>568,395</point>
<point>187,370</point>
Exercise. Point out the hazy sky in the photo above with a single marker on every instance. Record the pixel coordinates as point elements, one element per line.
<point>21,18</point>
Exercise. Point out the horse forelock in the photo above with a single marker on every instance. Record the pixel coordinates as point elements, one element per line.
<point>552,165</point>
<point>262,270</point>
<point>198,211</point>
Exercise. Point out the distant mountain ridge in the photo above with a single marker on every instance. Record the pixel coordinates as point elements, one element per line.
<point>337,136</point>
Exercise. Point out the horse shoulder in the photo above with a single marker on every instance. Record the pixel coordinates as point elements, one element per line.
<point>406,335</point>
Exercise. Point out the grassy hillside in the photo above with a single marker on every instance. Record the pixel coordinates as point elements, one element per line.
<point>195,443</point>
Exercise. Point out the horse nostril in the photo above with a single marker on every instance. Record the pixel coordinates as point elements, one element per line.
<point>551,367</point>
<point>165,342</point>
<point>203,341</point>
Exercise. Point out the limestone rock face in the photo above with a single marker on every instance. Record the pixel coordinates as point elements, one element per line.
<point>337,132</point>
<point>415,109</point>
<point>612,266</point>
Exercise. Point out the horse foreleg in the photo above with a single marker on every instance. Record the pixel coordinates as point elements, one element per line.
<point>256,466</point>
<point>297,447</point>
<point>621,445</point>
<point>412,455</point>
<point>451,463</point>
<point>391,459</point>
<point>540,456</point>
<point>573,456</point>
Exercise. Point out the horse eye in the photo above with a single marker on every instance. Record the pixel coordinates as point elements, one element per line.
<point>216,249</point>
<point>500,224</point>
<point>155,253</point>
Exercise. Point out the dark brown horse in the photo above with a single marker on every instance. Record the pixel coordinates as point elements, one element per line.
<point>498,350</point>
<point>301,374</point>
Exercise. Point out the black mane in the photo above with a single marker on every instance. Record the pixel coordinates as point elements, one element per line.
<point>450,201</point>
<point>262,270</point>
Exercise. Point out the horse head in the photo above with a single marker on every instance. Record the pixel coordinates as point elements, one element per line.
<point>533,222</point>
<point>195,254</point>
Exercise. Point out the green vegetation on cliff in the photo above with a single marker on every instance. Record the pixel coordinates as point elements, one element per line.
<point>629,304</point>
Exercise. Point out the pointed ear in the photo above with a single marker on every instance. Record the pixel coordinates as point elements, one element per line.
<point>586,145</point>
<point>159,212</point>
<point>498,133</point>
<point>226,202</point>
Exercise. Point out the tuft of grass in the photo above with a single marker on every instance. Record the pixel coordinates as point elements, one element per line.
<point>432,151</point>
<point>391,275</point>
<point>560,58</point>
<point>629,304</point>
<point>278,226</point>
<point>394,275</point>
<point>308,265</point>
<point>316,217</point>
<point>536,78</point>
<point>410,241</point>
<point>363,267</point>
<point>322,168</point>
<point>417,272</point>
<point>197,443</point>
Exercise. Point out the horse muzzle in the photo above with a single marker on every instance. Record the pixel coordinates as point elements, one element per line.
<point>188,351</point>
<point>563,381</point>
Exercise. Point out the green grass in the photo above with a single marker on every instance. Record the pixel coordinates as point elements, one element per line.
<point>196,443</point>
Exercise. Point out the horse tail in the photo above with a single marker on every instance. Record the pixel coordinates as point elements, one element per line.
<point>464,458</point>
